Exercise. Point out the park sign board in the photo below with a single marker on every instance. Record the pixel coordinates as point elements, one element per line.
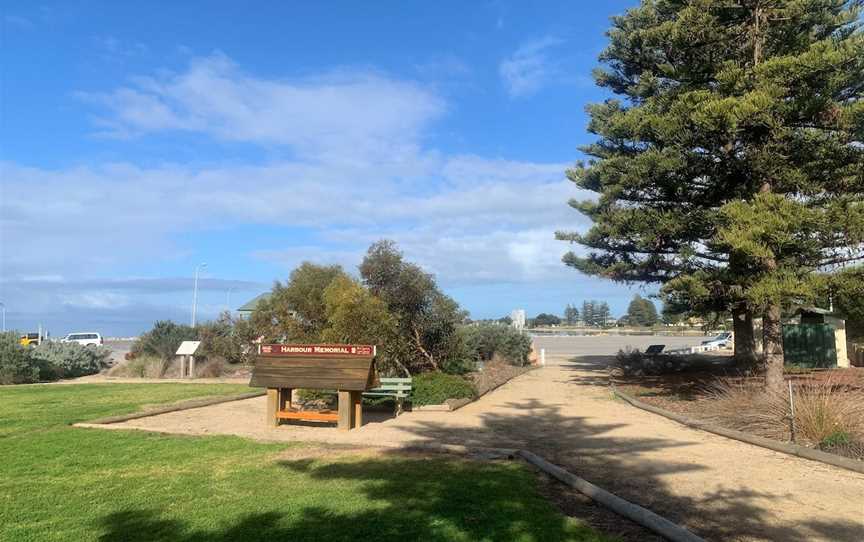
<point>315,366</point>
<point>318,350</point>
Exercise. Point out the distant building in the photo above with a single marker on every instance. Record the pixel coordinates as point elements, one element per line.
<point>251,306</point>
<point>518,318</point>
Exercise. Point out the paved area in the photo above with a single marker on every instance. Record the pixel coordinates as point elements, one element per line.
<point>720,488</point>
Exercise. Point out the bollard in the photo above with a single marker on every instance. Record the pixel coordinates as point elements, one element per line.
<point>542,357</point>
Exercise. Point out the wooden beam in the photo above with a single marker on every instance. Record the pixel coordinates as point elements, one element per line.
<point>272,407</point>
<point>357,404</point>
<point>309,415</point>
<point>346,410</point>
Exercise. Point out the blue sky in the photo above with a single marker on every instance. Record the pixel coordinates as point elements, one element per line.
<point>140,139</point>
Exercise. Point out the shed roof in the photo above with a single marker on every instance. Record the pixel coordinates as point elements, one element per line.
<point>252,305</point>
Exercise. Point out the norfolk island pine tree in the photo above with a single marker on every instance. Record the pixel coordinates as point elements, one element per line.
<point>730,167</point>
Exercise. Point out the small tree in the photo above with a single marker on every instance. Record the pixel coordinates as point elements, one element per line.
<point>296,311</point>
<point>544,319</point>
<point>426,319</point>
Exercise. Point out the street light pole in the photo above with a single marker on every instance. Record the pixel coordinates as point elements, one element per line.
<point>3,308</point>
<point>228,300</point>
<point>195,292</point>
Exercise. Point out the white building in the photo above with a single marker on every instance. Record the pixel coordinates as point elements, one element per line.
<point>518,318</point>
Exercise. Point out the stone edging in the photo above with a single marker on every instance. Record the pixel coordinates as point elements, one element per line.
<point>777,446</point>
<point>185,405</point>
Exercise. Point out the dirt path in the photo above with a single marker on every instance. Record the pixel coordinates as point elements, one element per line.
<point>719,488</point>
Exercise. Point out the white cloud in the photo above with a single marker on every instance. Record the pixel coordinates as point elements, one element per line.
<point>360,172</point>
<point>530,67</point>
<point>339,112</point>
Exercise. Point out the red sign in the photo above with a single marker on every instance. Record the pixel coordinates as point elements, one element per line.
<point>336,350</point>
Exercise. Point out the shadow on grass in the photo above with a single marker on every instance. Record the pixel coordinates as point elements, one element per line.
<point>448,500</point>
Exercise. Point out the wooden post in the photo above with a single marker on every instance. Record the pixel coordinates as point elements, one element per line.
<point>182,366</point>
<point>346,410</point>
<point>357,403</point>
<point>284,398</point>
<point>191,366</point>
<point>272,407</point>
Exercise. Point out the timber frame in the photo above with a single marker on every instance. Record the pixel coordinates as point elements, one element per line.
<point>348,369</point>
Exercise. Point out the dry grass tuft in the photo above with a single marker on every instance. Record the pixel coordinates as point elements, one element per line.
<point>829,412</point>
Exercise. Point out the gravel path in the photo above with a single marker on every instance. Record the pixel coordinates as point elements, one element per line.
<point>719,488</point>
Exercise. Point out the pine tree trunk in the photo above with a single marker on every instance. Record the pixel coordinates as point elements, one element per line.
<point>772,347</point>
<point>743,335</point>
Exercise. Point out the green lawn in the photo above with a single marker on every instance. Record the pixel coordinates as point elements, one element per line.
<point>63,483</point>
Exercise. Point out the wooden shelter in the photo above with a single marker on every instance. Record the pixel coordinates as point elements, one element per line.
<point>347,368</point>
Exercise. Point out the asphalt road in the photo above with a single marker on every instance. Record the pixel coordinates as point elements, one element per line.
<point>560,346</point>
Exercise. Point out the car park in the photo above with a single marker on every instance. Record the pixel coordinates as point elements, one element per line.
<point>85,339</point>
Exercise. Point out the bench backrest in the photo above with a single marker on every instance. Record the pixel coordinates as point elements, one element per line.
<point>394,384</point>
<point>655,349</point>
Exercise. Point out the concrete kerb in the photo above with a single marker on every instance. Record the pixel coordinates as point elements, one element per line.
<point>633,512</point>
<point>784,447</point>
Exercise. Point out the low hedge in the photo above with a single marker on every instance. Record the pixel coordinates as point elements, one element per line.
<point>435,388</point>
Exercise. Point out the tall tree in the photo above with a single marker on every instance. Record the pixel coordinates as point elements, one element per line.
<point>426,319</point>
<point>731,167</point>
<point>588,317</point>
<point>641,312</point>
<point>571,314</point>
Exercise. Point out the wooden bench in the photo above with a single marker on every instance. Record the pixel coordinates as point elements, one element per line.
<point>654,350</point>
<point>399,388</point>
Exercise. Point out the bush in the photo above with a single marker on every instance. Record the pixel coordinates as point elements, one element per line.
<point>829,413</point>
<point>163,340</point>
<point>141,367</point>
<point>70,360</point>
<point>435,388</point>
<point>487,342</point>
<point>16,364</point>
<point>632,362</point>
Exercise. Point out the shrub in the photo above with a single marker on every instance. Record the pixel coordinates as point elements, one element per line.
<point>164,339</point>
<point>487,342</point>
<point>141,367</point>
<point>317,398</point>
<point>829,413</point>
<point>435,388</point>
<point>632,362</point>
<point>70,360</point>
<point>16,364</point>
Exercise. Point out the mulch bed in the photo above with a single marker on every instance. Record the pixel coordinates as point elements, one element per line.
<point>689,393</point>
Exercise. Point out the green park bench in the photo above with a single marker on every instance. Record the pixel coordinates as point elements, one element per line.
<point>392,387</point>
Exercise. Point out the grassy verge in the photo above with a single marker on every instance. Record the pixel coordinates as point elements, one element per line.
<point>63,483</point>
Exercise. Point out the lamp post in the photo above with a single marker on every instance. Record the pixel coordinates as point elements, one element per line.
<point>195,292</point>
<point>3,309</point>
<point>228,300</point>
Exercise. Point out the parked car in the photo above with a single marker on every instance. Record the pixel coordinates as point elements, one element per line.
<point>720,341</point>
<point>84,339</point>
<point>29,339</point>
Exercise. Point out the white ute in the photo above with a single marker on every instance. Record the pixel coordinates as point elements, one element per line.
<point>84,339</point>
